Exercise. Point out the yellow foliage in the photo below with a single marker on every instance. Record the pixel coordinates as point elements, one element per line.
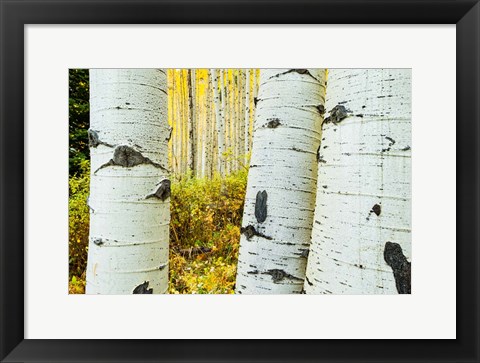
<point>206,215</point>
<point>76,285</point>
<point>78,220</point>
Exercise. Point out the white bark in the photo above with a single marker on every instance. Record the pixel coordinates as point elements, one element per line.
<point>219,118</point>
<point>202,124</point>
<point>247,115</point>
<point>284,169</point>
<point>191,126</point>
<point>210,130</point>
<point>229,114</point>
<point>177,128</point>
<point>129,228</point>
<point>364,170</point>
<point>240,142</point>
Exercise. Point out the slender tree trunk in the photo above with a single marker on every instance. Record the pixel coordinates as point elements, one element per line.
<point>206,136</point>
<point>184,120</point>
<point>236,126</point>
<point>228,122</point>
<point>280,200</point>
<point>241,119</point>
<point>199,122</point>
<point>129,188</point>
<point>201,107</point>
<point>171,120</point>
<point>212,155</point>
<point>219,100</point>
<point>226,118</point>
<point>191,122</point>
<point>178,124</point>
<point>255,86</point>
<point>247,115</point>
<point>361,241</point>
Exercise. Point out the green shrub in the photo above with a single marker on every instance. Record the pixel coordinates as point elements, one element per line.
<point>205,232</point>
<point>201,207</point>
<point>78,220</point>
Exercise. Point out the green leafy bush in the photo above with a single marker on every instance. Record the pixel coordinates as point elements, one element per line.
<point>78,221</point>
<point>205,232</point>
<point>79,118</point>
<point>201,207</point>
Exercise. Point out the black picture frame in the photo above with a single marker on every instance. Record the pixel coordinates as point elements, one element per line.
<point>15,14</point>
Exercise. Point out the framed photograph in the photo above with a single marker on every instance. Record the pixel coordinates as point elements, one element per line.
<point>297,186</point>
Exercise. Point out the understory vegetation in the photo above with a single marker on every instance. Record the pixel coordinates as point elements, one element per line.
<point>204,232</point>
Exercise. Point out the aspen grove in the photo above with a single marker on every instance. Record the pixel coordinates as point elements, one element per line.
<point>240,181</point>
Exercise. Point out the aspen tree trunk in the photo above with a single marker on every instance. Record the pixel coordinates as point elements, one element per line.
<point>206,140</point>
<point>228,121</point>
<point>280,199</point>
<point>201,125</point>
<point>171,120</point>
<point>232,119</point>
<point>219,100</point>
<point>200,122</point>
<point>178,128</point>
<point>240,142</point>
<point>191,122</point>
<point>129,189</point>
<point>361,241</point>
<point>256,77</point>
<point>212,155</point>
<point>184,121</point>
<point>178,120</point>
<point>236,126</point>
<point>247,115</point>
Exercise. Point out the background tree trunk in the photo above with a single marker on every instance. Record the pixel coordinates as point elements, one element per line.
<point>192,120</point>
<point>280,199</point>
<point>364,186</point>
<point>218,97</point>
<point>247,115</point>
<point>129,190</point>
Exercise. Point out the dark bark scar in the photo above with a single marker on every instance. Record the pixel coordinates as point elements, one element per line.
<point>299,71</point>
<point>337,114</point>
<point>395,258</point>
<point>279,275</point>
<point>162,192</point>
<point>273,123</point>
<point>261,206</point>
<point>128,157</point>
<point>249,231</point>
<point>377,209</point>
<point>321,109</point>
<point>94,139</point>
<point>142,289</point>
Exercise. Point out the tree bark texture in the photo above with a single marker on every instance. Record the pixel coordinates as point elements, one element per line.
<point>361,240</point>
<point>280,199</point>
<point>129,190</point>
